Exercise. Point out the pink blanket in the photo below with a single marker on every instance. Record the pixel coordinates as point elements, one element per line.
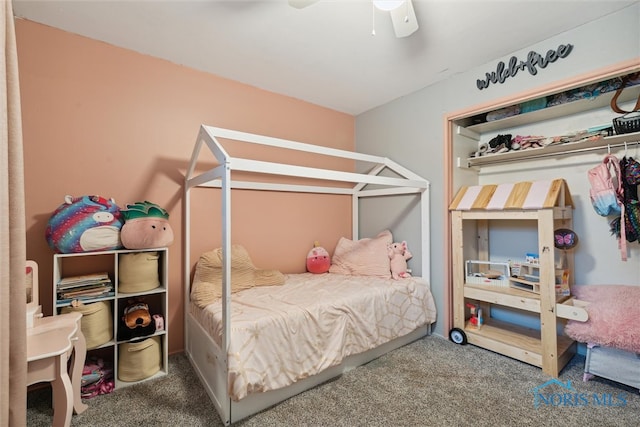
<point>614,316</point>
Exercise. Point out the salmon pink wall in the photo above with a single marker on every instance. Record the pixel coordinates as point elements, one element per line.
<point>98,119</point>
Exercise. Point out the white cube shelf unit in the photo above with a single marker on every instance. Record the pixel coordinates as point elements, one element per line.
<point>89,263</point>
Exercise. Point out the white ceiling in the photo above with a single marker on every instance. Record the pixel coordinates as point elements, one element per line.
<point>325,53</point>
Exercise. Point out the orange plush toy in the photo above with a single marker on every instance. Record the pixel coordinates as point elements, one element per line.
<point>136,321</point>
<point>318,260</point>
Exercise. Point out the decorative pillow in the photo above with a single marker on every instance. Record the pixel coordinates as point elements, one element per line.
<point>365,257</point>
<point>146,225</point>
<point>84,224</point>
<point>207,281</point>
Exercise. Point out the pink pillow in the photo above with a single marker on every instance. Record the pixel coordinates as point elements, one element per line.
<point>365,257</point>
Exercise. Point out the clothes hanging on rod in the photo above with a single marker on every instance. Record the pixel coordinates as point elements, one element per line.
<point>629,221</point>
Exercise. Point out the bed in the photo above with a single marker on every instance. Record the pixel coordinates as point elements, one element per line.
<point>255,347</point>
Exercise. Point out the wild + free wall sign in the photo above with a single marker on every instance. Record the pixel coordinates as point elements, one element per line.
<point>534,60</point>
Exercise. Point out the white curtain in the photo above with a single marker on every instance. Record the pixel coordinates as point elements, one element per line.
<point>13,334</point>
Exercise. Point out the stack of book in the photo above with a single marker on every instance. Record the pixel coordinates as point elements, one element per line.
<point>89,286</point>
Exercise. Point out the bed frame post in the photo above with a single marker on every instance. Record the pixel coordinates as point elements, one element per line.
<point>355,226</point>
<point>226,279</point>
<point>186,254</point>
<point>186,215</point>
<point>425,243</point>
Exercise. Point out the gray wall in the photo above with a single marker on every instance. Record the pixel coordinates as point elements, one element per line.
<point>410,131</point>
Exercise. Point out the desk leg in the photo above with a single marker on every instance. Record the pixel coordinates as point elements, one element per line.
<point>62,394</point>
<point>78,357</point>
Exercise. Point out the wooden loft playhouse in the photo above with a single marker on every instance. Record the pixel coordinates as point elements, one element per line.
<point>540,287</point>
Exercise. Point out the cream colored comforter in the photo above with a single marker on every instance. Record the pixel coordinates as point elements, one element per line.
<point>281,334</point>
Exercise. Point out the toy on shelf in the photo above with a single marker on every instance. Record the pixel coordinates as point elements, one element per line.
<point>84,224</point>
<point>146,226</point>
<point>564,240</point>
<point>491,273</point>
<point>526,276</point>
<point>476,318</point>
<point>136,321</point>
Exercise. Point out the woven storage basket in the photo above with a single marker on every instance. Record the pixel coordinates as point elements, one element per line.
<point>96,323</point>
<point>138,272</point>
<point>628,123</point>
<point>139,360</point>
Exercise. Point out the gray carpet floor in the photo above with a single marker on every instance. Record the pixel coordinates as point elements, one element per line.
<point>430,382</point>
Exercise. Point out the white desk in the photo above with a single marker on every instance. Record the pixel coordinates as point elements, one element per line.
<point>50,343</point>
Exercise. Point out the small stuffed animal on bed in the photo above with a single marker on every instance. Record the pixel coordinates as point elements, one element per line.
<point>399,255</point>
<point>146,226</point>
<point>318,260</point>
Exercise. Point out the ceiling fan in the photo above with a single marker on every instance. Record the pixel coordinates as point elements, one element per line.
<point>402,14</point>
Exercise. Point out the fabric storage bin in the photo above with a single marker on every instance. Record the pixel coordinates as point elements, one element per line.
<point>139,360</point>
<point>614,364</point>
<point>96,323</point>
<point>138,272</point>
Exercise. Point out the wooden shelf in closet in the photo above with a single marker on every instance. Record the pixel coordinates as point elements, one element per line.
<point>615,141</point>
<point>562,110</point>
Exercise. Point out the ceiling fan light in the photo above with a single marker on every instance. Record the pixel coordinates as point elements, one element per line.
<point>404,20</point>
<point>387,5</point>
<point>300,4</point>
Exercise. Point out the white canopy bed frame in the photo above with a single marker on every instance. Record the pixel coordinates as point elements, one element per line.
<point>210,360</point>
